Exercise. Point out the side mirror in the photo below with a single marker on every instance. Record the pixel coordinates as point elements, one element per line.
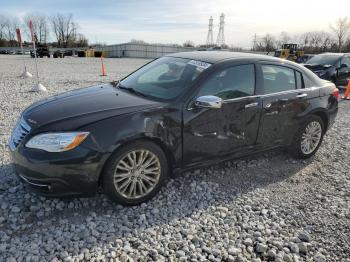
<point>208,102</point>
<point>343,65</point>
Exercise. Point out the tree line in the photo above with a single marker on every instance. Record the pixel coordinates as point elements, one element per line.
<point>337,39</point>
<point>60,30</point>
<point>57,30</point>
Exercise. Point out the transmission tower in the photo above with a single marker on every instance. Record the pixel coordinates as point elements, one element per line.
<point>254,42</point>
<point>220,41</point>
<point>210,41</point>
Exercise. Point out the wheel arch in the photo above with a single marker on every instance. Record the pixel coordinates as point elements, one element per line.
<point>167,152</point>
<point>324,116</point>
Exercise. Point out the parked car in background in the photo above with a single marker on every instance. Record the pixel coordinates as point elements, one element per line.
<point>68,52</point>
<point>40,52</point>
<point>62,53</point>
<point>19,52</point>
<point>58,54</point>
<point>180,111</point>
<point>303,59</point>
<point>334,67</point>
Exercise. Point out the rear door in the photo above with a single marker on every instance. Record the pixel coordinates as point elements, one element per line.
<point>344,71</point>
<point>284,101</point>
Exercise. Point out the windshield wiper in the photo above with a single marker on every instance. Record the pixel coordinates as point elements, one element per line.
<point>131,90</point>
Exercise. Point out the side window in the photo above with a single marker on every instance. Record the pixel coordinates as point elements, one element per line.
<point>278,79</point>
<point>299,80</point>
<point>308,82</point>
<point>234,82</point>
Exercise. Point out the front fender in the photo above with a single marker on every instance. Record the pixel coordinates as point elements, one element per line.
<point>163,126</point>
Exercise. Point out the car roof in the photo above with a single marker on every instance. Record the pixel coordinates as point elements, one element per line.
<point>333,54</point>
<point>217,56</point>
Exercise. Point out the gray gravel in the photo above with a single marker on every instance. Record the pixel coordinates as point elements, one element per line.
<point>266,207</point>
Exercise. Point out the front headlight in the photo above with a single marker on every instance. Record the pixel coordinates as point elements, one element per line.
<point>57,142</point>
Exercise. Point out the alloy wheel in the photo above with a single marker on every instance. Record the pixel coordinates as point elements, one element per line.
<point>137,173</point>
<point>311,137</point>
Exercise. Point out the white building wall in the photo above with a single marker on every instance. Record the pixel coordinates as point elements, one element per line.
<point>141,50</point>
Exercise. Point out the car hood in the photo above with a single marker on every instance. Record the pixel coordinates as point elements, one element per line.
<point>317,67</point>
<point>76,108</point>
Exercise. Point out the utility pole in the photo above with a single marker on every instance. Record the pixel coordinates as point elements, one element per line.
<point>254,42</point>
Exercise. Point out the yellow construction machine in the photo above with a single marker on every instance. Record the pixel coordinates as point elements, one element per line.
<point>290,52</point>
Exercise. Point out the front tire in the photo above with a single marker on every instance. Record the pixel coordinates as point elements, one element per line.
<point>308,138</point>
<point>135,173</point>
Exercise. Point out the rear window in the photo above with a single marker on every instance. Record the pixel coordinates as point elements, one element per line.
<point>308,81</point>
<point>278,79</point>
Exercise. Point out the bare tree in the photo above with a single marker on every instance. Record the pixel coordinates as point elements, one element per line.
<point>64,28</point>
<point>341,30</point>
<point>137,41</point>
<point>304,39</point>
<point>81,41</point>
<point>315,39</point>
<point>188,43</point>
<point>40,25</point>
<point>268,42</point>
<point>326,41</point>
<point>285,38</point>
<point>8,27</point>
<point>3,21</point>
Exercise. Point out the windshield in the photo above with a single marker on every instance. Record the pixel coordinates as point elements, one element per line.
<point>164,78</point>
<point>324,60</point>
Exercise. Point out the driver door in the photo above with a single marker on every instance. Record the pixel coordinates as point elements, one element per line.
<point>210,133</point>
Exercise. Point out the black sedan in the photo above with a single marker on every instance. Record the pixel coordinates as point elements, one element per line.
<point>333,67</point>
<point>40,52</point>
<point>177,112</point>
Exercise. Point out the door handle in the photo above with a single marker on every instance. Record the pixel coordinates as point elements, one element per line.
<point>251,105</point>
<point>301,95</point>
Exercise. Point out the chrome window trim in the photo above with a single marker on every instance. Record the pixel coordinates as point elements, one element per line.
<point>227,101</point>
<point>272,94</point>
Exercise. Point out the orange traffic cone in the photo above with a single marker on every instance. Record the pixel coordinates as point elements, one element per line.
<point>102,67</point>
<point>347,91</point>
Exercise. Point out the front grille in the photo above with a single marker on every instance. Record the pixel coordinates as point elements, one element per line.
<point>19,132</point>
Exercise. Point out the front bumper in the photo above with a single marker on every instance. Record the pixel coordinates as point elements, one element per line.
<point>71,173</point>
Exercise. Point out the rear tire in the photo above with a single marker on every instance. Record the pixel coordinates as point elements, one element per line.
<point>135,173</point>
<point>308,138</point>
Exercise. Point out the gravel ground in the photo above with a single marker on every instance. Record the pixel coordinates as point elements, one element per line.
<point>268,207</point>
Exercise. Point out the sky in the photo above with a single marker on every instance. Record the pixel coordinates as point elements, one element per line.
<point>176,21</point>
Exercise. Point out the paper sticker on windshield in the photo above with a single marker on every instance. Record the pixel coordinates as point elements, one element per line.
<point>199,64</point>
